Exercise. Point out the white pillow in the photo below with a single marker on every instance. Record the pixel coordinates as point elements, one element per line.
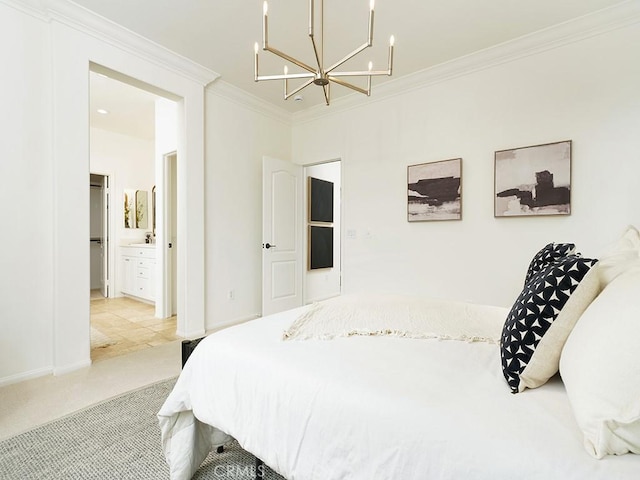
<point>621,256</point>
<point>600,366</point>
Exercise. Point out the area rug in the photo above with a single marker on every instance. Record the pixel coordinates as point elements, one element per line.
<point>117,439</point>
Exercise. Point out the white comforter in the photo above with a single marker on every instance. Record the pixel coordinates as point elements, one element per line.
<point>372,408</point>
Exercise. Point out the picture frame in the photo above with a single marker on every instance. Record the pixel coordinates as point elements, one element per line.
<point>533,180</point>
<point>434,191</point>
<point>320,247</point>
<point>320,200</point>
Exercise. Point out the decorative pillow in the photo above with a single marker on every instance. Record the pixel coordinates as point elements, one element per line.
<point>542,318</point>
<point>621,256</point>
<point>600,367</point>
<point>550,253</point>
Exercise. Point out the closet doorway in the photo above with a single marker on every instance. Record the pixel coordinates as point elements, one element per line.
<point>99,235</point>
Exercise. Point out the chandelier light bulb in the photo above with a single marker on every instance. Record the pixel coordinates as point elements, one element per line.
<point>286,70</point>
<point>392,40</point>
<point>265,8</point>
<point>370,66</point>
<point>256,47</point>
<point>371,4</point>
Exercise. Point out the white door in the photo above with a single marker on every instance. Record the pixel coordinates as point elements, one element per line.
<point>282,217</point>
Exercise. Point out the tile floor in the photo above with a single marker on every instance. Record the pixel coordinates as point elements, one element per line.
<point>123,325</point>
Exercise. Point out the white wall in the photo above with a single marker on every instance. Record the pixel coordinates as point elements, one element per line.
<point>586,91</point>
<point>129,162</point>
<point>237,138</point>
<point>26,256</point>
<point>324,283</point>
<point>44,263</point>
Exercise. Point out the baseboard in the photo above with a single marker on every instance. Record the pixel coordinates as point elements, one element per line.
<point>231,323</point>
<point>71,368</point>
<point>21,377</point>
<point>192,334</point>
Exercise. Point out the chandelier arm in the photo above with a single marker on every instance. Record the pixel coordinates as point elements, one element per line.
<point>315,51</point>
<point>304,85</point>
<point>349,85</point>
<point>288,58</point>
<point>326,89</point>
<point>363,73</point>
<point>288,76</point>
<point>362,47</point>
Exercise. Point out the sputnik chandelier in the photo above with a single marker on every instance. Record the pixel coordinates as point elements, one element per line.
<point>320,75</point>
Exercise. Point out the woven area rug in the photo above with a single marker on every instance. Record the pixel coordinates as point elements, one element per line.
<point>114,440</point>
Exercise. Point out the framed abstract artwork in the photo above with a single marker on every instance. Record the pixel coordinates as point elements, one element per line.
<point>320,247</point>
<point>320,200</point>
<point>434,191</point>
<point>533,180</point>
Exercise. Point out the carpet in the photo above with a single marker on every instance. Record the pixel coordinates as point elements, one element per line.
<point>118,439</point>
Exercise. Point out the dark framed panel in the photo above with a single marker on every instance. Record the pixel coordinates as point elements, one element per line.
<point>533,181</point>
<point>320,247</point>
<point>320,200</point>
<point>434,191</point>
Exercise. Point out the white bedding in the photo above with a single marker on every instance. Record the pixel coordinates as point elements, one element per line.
<point>397,315</point>
<point>372,408</point>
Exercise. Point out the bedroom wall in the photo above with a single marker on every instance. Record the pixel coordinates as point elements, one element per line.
<point>44,279</point>
<point>26,250</point>
<point>586,91</point>
<point>238,136</point>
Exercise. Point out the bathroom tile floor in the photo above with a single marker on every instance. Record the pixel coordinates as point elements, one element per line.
<point>123,325</point>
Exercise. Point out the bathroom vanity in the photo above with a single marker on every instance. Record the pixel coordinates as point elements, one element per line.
<point>139,270</point>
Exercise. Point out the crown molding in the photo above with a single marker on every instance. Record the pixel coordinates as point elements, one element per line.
<point>30,7</point>
<point>92,24</point>
<point>241,97</point>
<point>619,16</point>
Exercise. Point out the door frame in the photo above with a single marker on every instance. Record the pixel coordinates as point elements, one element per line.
<point>108,222</point>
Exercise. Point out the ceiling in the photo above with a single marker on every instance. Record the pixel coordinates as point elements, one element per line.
<point>220,34</point>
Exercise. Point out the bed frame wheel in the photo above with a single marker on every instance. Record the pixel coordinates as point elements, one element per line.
<point>220,449</point>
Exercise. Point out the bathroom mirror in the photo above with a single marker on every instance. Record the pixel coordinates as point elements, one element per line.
<point>142,209</point>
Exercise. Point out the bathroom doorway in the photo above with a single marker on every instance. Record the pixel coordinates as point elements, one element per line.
<point>131,128</point>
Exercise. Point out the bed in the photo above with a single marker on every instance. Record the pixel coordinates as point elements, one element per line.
<point>366,405</point>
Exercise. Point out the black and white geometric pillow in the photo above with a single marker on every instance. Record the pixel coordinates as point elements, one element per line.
<point>549,254</point>
<point>536,308</point>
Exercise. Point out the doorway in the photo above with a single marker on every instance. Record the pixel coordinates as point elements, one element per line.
<point>99,235</point>
<point>130,130</point>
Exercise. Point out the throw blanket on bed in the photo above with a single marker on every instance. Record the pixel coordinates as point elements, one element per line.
<point>398,315</point>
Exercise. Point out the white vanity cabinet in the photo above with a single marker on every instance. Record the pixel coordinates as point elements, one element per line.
<point>138,271</point>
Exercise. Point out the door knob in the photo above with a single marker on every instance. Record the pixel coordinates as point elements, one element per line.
<point>268,246</point>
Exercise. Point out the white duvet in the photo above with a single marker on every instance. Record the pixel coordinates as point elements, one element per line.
<point>372,407</point>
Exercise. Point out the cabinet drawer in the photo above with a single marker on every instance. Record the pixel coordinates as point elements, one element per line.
<point>142,272</point>
<point>140,252</point>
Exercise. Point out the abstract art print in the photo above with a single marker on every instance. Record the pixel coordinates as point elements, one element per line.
<point>320,200</point>
<point>434,191</point>
<point>533,180</point>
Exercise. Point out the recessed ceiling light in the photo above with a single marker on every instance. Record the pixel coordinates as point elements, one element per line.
<point>102,111</point>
